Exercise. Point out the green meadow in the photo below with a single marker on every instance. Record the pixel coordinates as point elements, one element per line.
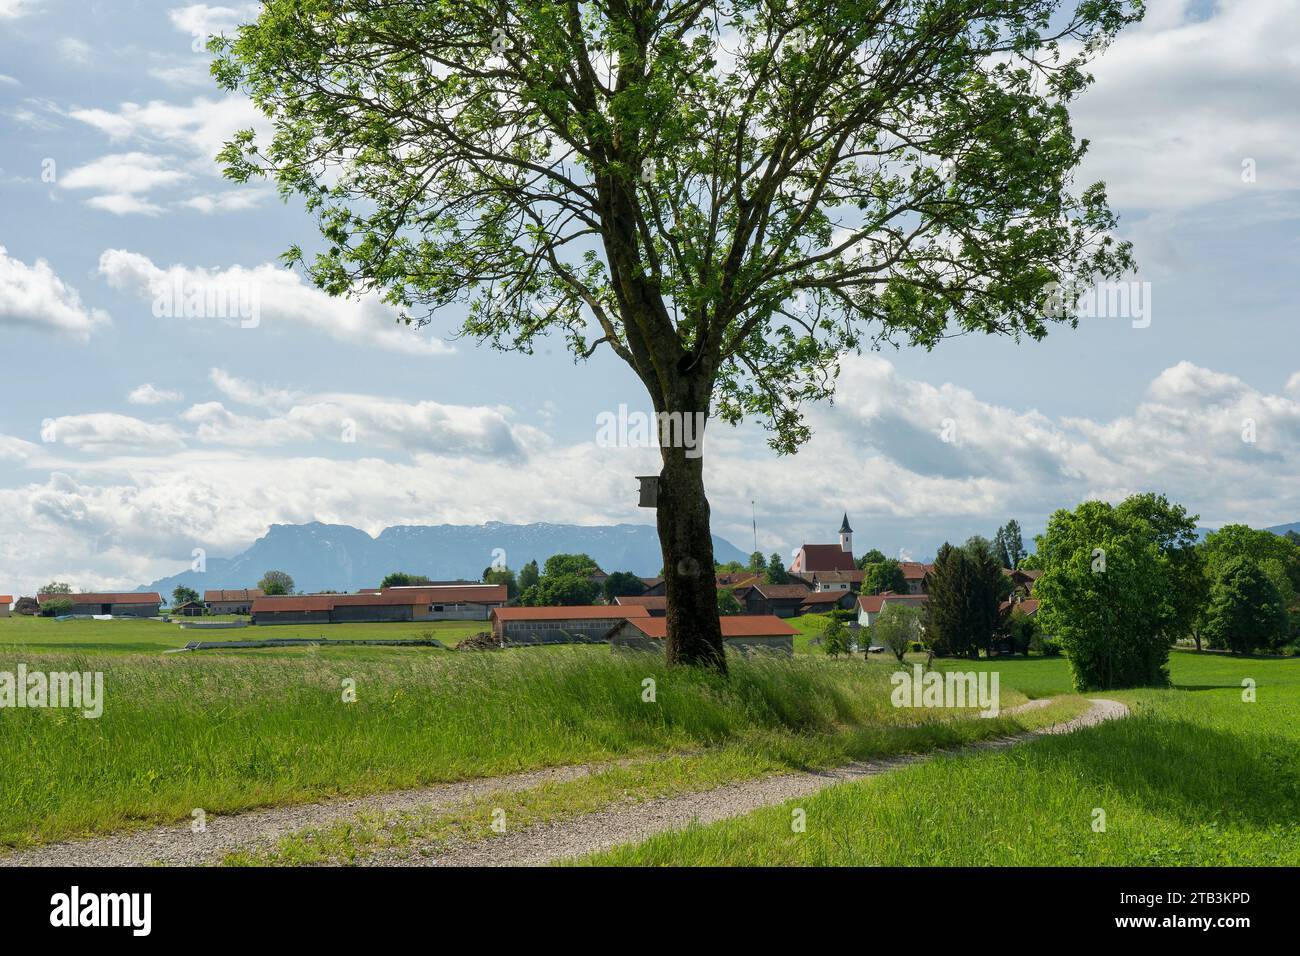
<point>1196,776</point>
<point>228,731</point>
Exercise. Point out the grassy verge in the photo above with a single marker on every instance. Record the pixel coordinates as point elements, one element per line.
<point>424,831</point>
<point>1197,776</point>
<point>228,733</point>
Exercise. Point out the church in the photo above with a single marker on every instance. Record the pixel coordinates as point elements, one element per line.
<point>812,558</point>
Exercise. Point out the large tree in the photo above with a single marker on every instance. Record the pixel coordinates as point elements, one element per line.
<point>1246,610</point>
<point>962,608</point>
<point>1120,584</point>
<point>728,196</point>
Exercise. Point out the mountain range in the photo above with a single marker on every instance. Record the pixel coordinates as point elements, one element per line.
<point>338,557</point>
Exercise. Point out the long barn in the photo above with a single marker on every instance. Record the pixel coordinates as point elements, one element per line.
<point>116,603</point>
<point>468,602</point>
<point>580,624</point>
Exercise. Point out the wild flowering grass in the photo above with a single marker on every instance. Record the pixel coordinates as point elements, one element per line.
<point>222,734</point>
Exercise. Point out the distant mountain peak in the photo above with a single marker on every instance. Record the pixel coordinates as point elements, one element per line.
<point>339,557</point>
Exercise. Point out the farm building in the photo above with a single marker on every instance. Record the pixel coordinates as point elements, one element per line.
<point>870,605</point>
<point>118,604</point>
<point>5,601</point>
<point>781,600</point>
<point>914,573</point>
<point>744,632</point>
<point>819,602</point>
<point>579,624</point>
<point>657,605</point>
<point>469,602</point>
<point>189,609</point>
<point>239,601</point>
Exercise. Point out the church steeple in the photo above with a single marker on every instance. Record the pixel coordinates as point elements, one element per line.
<point>846,535</point>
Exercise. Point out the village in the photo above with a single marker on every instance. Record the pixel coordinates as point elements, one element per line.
<point>756,604</point>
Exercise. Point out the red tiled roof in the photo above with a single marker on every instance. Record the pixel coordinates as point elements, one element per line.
<point>107,597</point>
<point>915,570</point>
<point>851,577</point>
<point>825,597</point>
<point>872,603</point>
<point>733,625</point>
<point>1028,606</point>
<point>738,579</point>
<point>297,603</point>
<point>238,594</point>
<point>394,597</point>
<point>6,599</point>
<point>781,592</point>
<point>655,602</point>
<point>579,612</point>
<point>826,557</point>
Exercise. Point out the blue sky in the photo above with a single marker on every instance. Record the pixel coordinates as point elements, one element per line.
<point>127,439</point>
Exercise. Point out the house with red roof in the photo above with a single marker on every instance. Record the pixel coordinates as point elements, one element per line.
<point>742,632</point>
<point>870,605</point>
<point>5,601</point>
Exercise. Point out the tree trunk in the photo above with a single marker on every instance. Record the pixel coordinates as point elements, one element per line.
<point>694,633</point>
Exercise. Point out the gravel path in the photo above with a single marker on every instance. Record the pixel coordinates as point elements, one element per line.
<point>178,846</point>
<point>592,833</point>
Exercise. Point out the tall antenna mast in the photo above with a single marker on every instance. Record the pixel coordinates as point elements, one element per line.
<point>754,515</point>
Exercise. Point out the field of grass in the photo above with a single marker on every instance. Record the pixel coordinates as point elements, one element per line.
<point>19,634</point>
<point>1197,776</point>
<point>226,731</point>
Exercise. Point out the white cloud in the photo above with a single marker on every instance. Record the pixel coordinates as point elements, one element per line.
<point>124,205</point>
<point>34,296</point>
<point>877,454</point>
<point>75,51</point>
<point>122,179</point>
<point>184,74</point>
<point>232,200</point>
<point>1181,101</point>
<point>202,19</point>
<point>123,173</point>
<point>250,393</point>
<point>201,129</point>
<point>109,433</point>
<point>8,80</point>
<point>149,394</point>
<point>13,9</point>
<point>265,296</point>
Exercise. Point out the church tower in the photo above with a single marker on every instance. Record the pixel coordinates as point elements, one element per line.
<point>846,535</point>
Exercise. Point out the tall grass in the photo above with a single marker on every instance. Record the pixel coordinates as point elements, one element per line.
<point>228,733</point>
<point>1197,776</point>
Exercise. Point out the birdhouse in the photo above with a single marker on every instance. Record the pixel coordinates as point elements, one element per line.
<point>649,491</point>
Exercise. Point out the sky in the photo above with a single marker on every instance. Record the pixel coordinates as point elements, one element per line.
<point>131,435</point>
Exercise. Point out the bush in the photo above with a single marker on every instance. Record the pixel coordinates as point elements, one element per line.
<point>1046,646</point>
<point>56,607</point>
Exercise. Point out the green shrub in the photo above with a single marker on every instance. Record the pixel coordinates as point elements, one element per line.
<point>56,607</point>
